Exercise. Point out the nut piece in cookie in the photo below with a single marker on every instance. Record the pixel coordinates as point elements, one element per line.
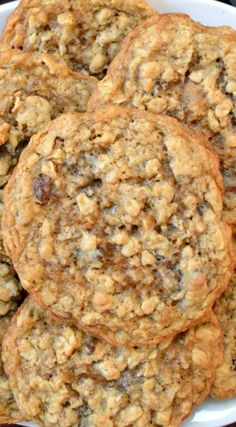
<point>57,379</point>
<point>224,385</point>
<point>175,66</point>
<point>114,223</point>
<point>85,34</point>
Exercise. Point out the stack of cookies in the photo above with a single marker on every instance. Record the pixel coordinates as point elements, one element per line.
<point>118,165</point>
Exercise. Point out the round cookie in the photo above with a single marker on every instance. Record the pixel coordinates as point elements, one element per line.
<point>86,35</point>
<point>62,377</point>
<point>34,89</point>
<point>224,385</point>
<point>175,66</point>
<point>113,222</point>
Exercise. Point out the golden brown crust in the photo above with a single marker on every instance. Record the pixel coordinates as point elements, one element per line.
<point>34,90</point>
<point>63,377</point>
<point>85,34</point>
<point>175,66</point>
<point>224,385</point>
<point>9,412</point>
<point>159,258</point>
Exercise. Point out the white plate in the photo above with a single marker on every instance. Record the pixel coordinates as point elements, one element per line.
<point>211,413</point>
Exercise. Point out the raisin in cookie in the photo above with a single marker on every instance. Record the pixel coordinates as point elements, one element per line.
<point>177,67</point>
<point>85,34</point>
<point>224,385</point>
<point>62,377</point>
<point>33,90</point>
<point>113,222</point>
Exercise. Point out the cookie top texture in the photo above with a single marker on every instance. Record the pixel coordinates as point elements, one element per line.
<point>224,385</point>
<point>9,412</point>
<point>178,67</point>
<point>113,222</point>
<point>86,35</point>
<point>64,377</point>
<point>10,297</point>
<point>34,90</point>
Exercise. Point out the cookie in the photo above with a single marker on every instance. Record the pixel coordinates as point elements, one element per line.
<point>224,385</point>
<point>9,411</point>
<point>10,298</point>
<point>62,377</point>
<point>86,35</point>
<point>113,222</point>
<point>34,89</point>
<point>175,66</point>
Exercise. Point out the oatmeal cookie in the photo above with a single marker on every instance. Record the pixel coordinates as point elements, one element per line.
<point>10,297</point>
<point>224,385</point>
<point>33,90</point>
<point>85,34</point>
<point>9,411</point>
<point>10,289</point>
<point>113,222</point>
<point>66,378</point>
<point>175,66</point>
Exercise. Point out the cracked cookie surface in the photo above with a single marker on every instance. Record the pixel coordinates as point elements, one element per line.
<point>63,377</point>
<point>175,66</point>
<point>224,385</point>
<point>126,207</point>
<point>86,35</point>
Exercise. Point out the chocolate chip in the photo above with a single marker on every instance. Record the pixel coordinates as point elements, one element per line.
<point>42,186</point>
<point>90,345</point>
